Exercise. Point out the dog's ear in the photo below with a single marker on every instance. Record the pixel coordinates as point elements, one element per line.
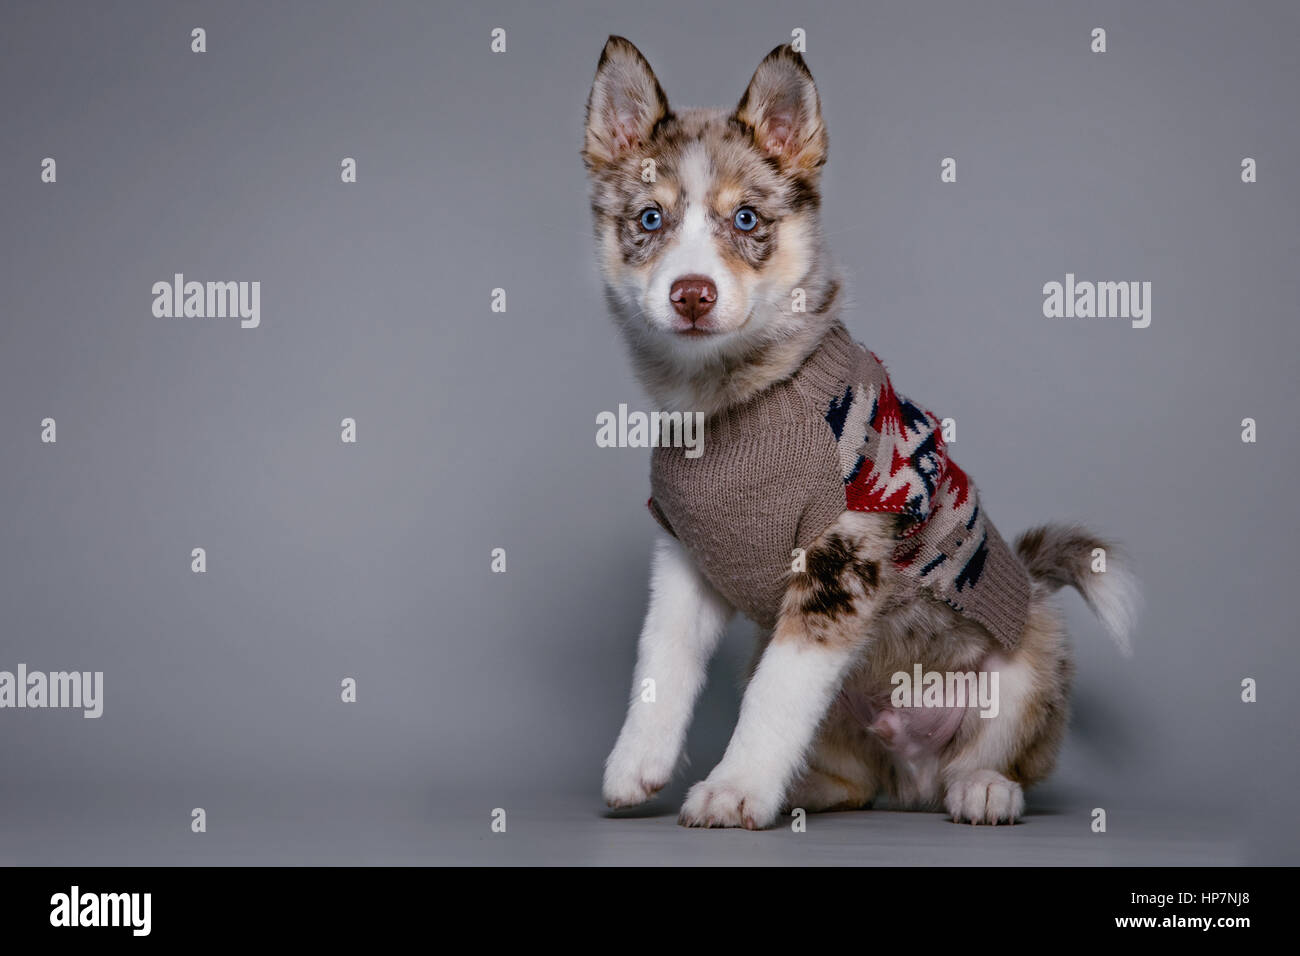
<point>782,108</point>
<point>625,104</point>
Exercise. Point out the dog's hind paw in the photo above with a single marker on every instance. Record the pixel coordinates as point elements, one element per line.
<point>984,796</point>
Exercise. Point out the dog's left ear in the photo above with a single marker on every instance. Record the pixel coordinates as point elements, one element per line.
<point>781,106</point>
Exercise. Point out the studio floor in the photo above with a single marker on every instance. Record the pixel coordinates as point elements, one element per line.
<point>576,830</point>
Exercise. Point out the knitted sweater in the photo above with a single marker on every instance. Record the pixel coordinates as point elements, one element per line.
<point>778,470</point>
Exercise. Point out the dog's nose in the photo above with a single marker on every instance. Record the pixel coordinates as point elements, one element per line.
<point>693,296</point>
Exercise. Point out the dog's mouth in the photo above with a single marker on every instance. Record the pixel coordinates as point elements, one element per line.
<point>697,331</point>
<point>698,328</point>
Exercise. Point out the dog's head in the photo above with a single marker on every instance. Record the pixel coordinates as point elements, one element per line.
<point>708,220</point>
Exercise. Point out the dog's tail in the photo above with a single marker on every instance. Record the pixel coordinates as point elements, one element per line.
<point>1057,554</point>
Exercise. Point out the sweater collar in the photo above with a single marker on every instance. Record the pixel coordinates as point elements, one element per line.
<point>825,371</point>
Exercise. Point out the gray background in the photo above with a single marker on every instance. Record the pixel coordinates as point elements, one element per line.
<point>477,429</point>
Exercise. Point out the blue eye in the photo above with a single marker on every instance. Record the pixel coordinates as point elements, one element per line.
<point>651,220</point>
<point>746,219</point>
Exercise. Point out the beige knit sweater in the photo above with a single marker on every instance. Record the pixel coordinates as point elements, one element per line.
<point>777,470</point>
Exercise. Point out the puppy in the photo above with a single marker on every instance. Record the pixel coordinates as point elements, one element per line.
<point>824,506</point>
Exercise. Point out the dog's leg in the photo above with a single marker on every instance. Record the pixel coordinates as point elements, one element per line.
<point>682,628</point>
<point>985,774</point>
<point>823,626</point>
<point>820,789</point>
<point>844,770</point>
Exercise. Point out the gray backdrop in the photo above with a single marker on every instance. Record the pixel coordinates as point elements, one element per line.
<point>477,430</point>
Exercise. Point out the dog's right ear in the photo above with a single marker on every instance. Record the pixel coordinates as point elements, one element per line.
<point>625,104</point>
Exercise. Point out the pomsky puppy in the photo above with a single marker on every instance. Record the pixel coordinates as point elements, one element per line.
<point>824,506</point>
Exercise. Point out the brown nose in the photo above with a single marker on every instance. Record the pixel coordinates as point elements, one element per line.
<point>693,296</point>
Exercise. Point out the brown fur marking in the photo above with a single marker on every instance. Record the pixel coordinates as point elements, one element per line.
<point>832,599</point>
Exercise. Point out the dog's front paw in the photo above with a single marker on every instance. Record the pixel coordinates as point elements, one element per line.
<point>724,802</point>
<point>984,796</point>
<point>633,775</point>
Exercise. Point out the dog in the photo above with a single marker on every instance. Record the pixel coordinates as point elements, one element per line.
<point>716,272</point>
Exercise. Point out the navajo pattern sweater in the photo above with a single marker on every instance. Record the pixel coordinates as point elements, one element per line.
<point>778,470</point>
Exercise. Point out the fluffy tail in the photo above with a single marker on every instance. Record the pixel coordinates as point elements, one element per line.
<point>1057,555</point>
